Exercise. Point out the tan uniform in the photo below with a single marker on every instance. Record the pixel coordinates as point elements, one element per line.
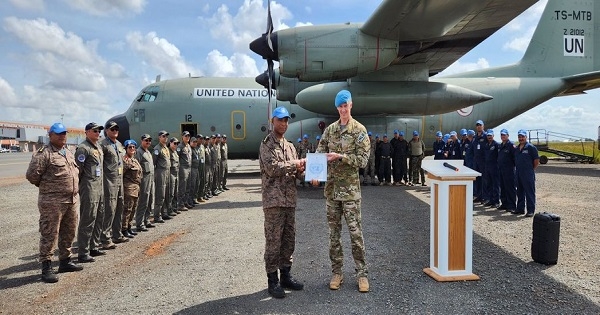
<point>278,175</point>
<point>132,178</point>
<point>55,172</point>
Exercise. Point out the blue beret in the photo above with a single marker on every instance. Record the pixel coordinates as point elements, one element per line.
<point>342,97</point>
<point>128,142</point>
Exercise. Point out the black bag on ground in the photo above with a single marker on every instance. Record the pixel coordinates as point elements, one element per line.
<point>544,245</point>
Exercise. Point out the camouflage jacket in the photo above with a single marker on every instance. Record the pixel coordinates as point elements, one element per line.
<point>55,172</point>
<point>132,176</point>
<point>343,183</point>
<point>90,159</point>
<point>277,172</point>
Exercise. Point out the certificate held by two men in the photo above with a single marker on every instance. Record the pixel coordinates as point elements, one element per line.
<point>316,167</point>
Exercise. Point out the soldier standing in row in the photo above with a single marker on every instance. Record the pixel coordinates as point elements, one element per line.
<point>132,178</point>
<point>162,168</point>
<point>195,175</point>
<point>201,194</point>
<point>279,168</point>
<point>146,199</point>
<point>224,153</point>
<point>113,187</point>
<point>369,170</point>
<point>416,150</point>
<point>207,167</point>
<point>91,212</point>
<point>215,157</point>
<point>173,178</point>
<point>347,146</point>
<point>53,170</point>
<point>185,171</point>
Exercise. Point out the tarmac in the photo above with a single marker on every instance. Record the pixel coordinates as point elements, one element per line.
<point>209,260</point>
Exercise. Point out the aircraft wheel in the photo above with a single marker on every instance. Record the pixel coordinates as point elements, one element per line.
<point>543,159</point>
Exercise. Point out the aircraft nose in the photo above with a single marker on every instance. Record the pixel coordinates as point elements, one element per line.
<point>261,47</point>
<point>123,124</point>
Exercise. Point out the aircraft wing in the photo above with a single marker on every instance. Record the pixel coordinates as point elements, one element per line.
<point>440,32</point>
<point>580,83</point>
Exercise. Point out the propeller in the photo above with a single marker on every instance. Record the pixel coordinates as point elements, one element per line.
<point>266,47</point>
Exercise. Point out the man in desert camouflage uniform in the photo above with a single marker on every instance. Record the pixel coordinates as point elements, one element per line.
<point>279,168</point>
<point>54,171</point>
<point>132,178</point>
<point>347,146</point>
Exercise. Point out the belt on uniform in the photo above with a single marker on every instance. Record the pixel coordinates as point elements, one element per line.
<point>385,157</point>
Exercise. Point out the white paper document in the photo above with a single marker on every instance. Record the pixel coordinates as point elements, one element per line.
<point>316,167</point>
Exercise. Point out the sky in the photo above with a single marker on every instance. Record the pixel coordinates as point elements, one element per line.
<point>85,60</point>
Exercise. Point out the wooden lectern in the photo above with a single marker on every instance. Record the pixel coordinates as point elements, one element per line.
<point>451,224</point>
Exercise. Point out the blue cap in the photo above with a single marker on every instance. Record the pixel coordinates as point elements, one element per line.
<point>401,133</point>
<point>471,132</point>
<point>463,132</point>
<point>57,128</point>
<point>415,133</point>
<point>370,133</point>
<point>503,132</point>
<point>385,135</point>
<point>490,132</point>
<point>396,131</point>
<point>377,136</point>
<point>522,132</point>
<point>453,133</point>
<point>438,134</point>
<point>446,137</point>
<point>479,122</point>
<point>342,97</point>
<point>318,137</point>
<point>281,112</point>
<point>128,142</point>
<point>299,139</point>
<point>305,136</point>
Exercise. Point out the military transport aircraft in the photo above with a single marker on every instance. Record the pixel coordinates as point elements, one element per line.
<point>387,63</point>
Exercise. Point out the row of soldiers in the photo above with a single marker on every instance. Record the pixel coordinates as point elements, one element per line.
<point>106,184</point>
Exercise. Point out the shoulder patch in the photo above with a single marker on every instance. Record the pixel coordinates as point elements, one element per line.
<point>361,137</point>
<point>156,151</point>
<point>265,139</point>
<point>178,149</point>
<point>81,158</point>
<point>42,149</point>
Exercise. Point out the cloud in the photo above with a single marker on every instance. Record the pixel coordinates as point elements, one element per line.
<point>520,43</point>
<point>29,5</point>
<point>160,54</point>
<point>9,98</point>
<point>108,8</point>
<point>520,30</point>
<point>248,23</point>
<point>459,67</point>
<point>239,65</point>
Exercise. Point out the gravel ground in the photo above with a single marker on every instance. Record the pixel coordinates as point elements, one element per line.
<point>209,260</point>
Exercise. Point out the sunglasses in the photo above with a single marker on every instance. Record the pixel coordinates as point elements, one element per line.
<point>163,136</point>
<point>131,147</point>
<point>114,129</point>
<point>147,140</point>
<point>95,130</point>
<point>477,124</point>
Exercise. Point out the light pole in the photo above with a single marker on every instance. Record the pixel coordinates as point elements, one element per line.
<point>61,118</point>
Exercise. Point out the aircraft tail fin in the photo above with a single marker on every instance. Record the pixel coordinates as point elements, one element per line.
<point>565,41</point>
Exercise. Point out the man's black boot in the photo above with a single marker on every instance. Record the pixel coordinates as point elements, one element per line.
<point>47,272</point>
<point>67,266</point>
<point>275,289</point>
<point>288,282</point>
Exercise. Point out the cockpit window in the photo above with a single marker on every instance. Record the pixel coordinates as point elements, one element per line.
<point>149,94</point>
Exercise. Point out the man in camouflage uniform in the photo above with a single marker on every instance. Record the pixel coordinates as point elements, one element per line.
<point>173,190</point>
<point>185,171</point>
<point>162,167</point>
<point>416,150</point>
<point>132,178</point>
<point>146,199</point>
<point>348,147</point>
<point>207,167</point>
<point>279,168</point>
<point>215,157</point>
<point>54,171</point>
<point>224,153</point>
<point>91,192</point>
<point>113,187</point>
<point>195,175</point>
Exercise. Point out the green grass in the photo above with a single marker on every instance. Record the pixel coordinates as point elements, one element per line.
<point>587,148</point>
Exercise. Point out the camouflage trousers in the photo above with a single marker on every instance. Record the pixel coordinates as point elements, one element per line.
<point>416,170</point>
<point>350,210</point>
<point>130,204</point>
<point>370,171</point>
<point>280,237</point>
<point>58,221</point>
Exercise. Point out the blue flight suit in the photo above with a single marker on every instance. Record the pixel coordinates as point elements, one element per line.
<point>524,158</point>
<point>491,183</point>
<point>506,165</point>
<point>467,149</point>
<point>438,150</point>
<point>454,150</point>
<point>479,163</point>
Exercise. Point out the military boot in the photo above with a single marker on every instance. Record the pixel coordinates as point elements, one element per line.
<point>287,281</point>
<point>47,272</point>
<point>275,289</point>
<point>67,266</point>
